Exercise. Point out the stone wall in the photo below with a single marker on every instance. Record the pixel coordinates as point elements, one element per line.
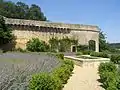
<point>50,24</point>
<point>24,30</point>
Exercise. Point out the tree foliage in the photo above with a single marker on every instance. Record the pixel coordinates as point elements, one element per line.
<point>21,10</point>
<point>102,42</point>
<point>6,35</point>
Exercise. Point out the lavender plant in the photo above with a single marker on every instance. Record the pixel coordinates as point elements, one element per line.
<point>16,69</point>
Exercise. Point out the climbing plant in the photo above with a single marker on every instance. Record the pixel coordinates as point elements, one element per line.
<point>62,45</point>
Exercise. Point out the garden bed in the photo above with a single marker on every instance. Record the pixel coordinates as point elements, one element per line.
<point>16,68</point>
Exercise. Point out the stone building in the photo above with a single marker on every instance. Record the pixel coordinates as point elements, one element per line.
<point>25,30</point>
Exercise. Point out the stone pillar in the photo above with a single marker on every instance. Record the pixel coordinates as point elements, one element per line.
<point>97,46</point>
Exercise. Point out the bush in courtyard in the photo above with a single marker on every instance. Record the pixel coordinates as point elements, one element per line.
<point>118,82</point>
<point>79,53</point>
<point>53,80</point>
<point>1,51</point>
<point>35,45</point>
<point>60,55</point>
<point>110,81</point>
<point>82,48</point>
<point>109,76</point>
<point>64,72</point>
<point>44,81</point>
<point>20,50</point>
<point>99,54</point>
<point>115,59</point>
<point>86,52</point>
<point>107,67</point>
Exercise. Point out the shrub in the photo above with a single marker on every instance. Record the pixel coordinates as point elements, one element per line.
<point>110,80</point>
<point>60,55</point>
<point>20,50</point>
<point>79,53</point>
<point>112,88</point>
<point>35,45</point>
<point>109,76</point>
<point>44,81</point>
<point>86,52</point>
<point>1,51</point>
<point>99,54</point>
<point>53,80</point>
<point>64,72</point>
<point>70,64</point>
<point>82,48</point>
<point>118,83</point>
<point>107,67</point>
<point>115,59</point>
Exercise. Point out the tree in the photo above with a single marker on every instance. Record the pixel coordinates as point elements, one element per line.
<point>21,11</point>
<point>6,35</point>
<point>102,42</point>
<point>35,13</point>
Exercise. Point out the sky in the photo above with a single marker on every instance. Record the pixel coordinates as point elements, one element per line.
<point>103,13</point>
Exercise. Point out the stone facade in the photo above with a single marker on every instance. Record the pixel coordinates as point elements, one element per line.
<point>28,29</point>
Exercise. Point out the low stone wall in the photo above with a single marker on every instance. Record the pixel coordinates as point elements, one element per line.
<point>88,62</point>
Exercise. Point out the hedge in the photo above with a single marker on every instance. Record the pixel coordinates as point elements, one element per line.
<point>99,54</point>
<point>60,56</point>
<point>79,53</point>
<point>1,51</point>
<point>109,76</point>
<point>54,80</point>
<point>86,52</point>
<point>107,67</point>
<point>44,81</point>
<point>64,72</point>
<point>115,59</point>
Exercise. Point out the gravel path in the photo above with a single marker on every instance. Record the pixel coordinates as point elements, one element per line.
<point>83,79</point>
